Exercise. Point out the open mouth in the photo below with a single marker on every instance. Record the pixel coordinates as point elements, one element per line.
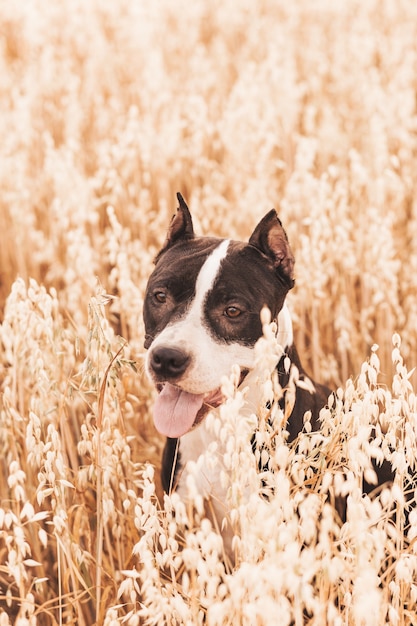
<point>177,411</point>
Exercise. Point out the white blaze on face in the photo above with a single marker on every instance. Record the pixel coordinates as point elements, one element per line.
<point>211,359</point>
<point>207,277</point>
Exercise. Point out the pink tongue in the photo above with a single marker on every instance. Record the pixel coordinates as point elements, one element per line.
<point>175,411</point>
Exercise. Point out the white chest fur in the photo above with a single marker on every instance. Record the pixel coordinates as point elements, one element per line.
<point>201,455</point>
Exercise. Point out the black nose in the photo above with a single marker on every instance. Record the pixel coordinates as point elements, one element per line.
<point>169,362</point>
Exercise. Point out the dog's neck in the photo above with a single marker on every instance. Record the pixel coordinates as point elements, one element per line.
<point>252,384</point>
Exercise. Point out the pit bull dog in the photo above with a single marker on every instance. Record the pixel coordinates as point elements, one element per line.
<point>202,316</point>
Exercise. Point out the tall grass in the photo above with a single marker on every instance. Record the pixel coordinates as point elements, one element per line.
<point>108,109</point>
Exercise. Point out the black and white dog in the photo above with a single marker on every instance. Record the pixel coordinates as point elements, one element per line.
<point>202,316</point>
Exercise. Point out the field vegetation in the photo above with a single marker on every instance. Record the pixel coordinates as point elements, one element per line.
<point>108,109</point>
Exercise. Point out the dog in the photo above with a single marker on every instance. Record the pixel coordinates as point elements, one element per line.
<point>202,315</point>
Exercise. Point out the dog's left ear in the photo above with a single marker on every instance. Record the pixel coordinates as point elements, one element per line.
<point>271,239</point>
<point>181,226</point>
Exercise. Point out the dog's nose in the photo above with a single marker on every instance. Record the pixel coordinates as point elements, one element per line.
<point>169,362</point>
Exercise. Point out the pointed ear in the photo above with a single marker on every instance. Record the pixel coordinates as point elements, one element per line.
<point>181,226</point>
<point>271,239</point>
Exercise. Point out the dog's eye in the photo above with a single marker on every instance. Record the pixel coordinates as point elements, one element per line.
<point>232,311</point>
<point>160,297</point>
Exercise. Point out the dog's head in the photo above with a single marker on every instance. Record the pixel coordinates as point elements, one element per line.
<point>202,313</point>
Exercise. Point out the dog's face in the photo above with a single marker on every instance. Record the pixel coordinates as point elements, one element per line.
<point>202,313</point>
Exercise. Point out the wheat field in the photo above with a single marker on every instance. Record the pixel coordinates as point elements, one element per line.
<point>107,110</point>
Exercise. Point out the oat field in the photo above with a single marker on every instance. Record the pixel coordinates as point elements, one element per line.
<point>108,109</point>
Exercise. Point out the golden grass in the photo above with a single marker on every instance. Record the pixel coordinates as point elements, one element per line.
<point>108,109</point>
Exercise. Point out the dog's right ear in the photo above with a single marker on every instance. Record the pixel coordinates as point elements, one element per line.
<point>181,227</point>
<point>271,239</point>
